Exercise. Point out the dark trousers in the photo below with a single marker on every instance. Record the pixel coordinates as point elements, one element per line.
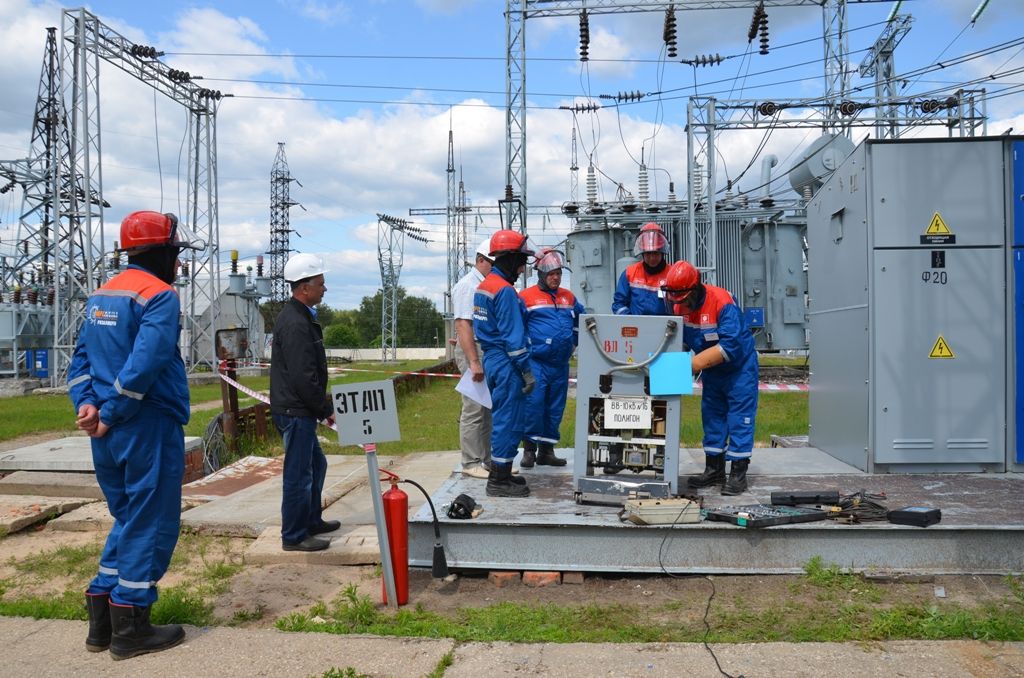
<point>305,468</point>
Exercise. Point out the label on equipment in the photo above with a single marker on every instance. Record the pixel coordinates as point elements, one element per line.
<point>625,412</point>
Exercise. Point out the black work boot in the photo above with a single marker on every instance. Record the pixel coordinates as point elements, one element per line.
<point>500,483</point>
<point>98,607</point>
<point>529,454</point>
<point>737,482</point>
<point>546,456</point>
<point>512,477</point>
<point>714,472</point>
<point>134,635</point>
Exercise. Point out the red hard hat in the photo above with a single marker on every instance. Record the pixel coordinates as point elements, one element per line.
<point>507,241</point>
<point>681,280</point>
<point>143,230</point>
<point>650,239</point>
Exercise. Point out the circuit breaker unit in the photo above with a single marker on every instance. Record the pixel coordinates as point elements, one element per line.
<point>915,309</point>
<point>627,441</point>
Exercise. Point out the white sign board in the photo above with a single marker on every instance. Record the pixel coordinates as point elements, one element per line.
<point>624,412</point>
<point>366,412</point>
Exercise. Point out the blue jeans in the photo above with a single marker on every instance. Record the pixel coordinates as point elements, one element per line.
<point>305,468</point>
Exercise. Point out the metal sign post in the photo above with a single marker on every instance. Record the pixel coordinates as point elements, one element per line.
<point>367,414</point>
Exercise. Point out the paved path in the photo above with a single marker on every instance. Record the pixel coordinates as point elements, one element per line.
<point>52,648</point>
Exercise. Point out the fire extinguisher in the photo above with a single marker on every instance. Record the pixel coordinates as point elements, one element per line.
<point>396,516</point>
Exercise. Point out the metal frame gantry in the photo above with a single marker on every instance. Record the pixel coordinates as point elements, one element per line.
<point>518,11</point>
<point>69,238</point>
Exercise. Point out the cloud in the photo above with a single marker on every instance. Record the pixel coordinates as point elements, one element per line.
<point>327,13</point>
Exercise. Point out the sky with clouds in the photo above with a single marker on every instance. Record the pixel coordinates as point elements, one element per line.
<point>363,95</point>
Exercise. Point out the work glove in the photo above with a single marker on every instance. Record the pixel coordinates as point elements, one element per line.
<point>528,381</point>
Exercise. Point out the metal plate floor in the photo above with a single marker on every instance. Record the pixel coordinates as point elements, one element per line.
<point>981,531</point>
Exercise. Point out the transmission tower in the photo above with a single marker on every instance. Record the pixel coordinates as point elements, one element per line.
<point>35,245</point>
<point>63,232</point>
<point>391,233</point>
<point>280,225</point>
<point>453,226</point>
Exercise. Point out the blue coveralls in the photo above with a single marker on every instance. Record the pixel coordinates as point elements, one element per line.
<point>499,322</point>
<point>729,403</point>
<point>639,292</point>
<point>128,365</point>
<point>552,327</point>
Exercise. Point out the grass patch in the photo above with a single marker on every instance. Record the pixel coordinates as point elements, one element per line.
<point>347,672</point>
<point>177,605</point>
<point>790,621</point>
<point>23,415</point>
<point>77,562</point>
<point>68,605</point>
<point>447,660</point>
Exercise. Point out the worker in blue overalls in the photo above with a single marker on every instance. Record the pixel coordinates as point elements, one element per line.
<point>552,328</point>
<point>638,291</point>
<point>127,382</point>
<point>499,323</point>
<point>716,331</point>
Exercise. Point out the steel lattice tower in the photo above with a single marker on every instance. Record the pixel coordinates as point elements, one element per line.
<point>72,240</point>
<point>453,227</point>
<point>390,255</point>
<point>280,225</point>
<point>36,247</point>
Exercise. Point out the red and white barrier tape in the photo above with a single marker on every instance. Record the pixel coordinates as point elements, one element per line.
<point>263,397</point>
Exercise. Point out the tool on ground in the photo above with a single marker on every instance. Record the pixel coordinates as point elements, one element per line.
<point>764,515</point>
<point>858,507</point>
<point>672,511</point>
<point>816,497</point>
<point>462,507</point>
<point>921,516</point>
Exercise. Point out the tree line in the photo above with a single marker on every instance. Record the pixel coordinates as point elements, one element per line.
<point>419,322</point>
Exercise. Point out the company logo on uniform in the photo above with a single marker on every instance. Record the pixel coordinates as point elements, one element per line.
<point>704,318</point>
<point>98,316</point>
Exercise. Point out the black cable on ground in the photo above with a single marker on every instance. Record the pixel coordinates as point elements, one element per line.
<point>707,608</point>
<point>859,507</point>
<point>439,570</point>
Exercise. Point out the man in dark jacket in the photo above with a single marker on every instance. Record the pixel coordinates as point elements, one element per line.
<point>298,399</point>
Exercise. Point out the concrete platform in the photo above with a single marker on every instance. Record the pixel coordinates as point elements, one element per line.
<point>73,453</point>
<point>352,545</point>
<point>21,511</point>
<point>346,496</point>
<point>51,484</point>
<point>245,472</point>
<point>92,517</point>
<point>981,529</point>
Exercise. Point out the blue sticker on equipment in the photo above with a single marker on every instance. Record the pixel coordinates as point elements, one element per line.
<point>754,316</point>
<point>671,374</point>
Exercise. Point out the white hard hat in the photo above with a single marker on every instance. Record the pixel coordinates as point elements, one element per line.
<point>302,266</point>
<point>484,249</point>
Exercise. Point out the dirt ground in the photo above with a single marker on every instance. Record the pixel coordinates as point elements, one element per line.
<point>259,594</point>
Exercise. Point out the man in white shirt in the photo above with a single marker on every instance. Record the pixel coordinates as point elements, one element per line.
<point>475,421</point>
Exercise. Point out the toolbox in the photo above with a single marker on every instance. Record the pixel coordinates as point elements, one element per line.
<point>764,515</point>
<point>669,511</point>
<point>921,516</point>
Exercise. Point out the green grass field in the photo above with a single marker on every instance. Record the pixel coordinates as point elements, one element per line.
<point>428,419</point>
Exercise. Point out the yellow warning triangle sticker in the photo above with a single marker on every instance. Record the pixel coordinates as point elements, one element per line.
<point>938,226</point>
<point>941,349</point>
